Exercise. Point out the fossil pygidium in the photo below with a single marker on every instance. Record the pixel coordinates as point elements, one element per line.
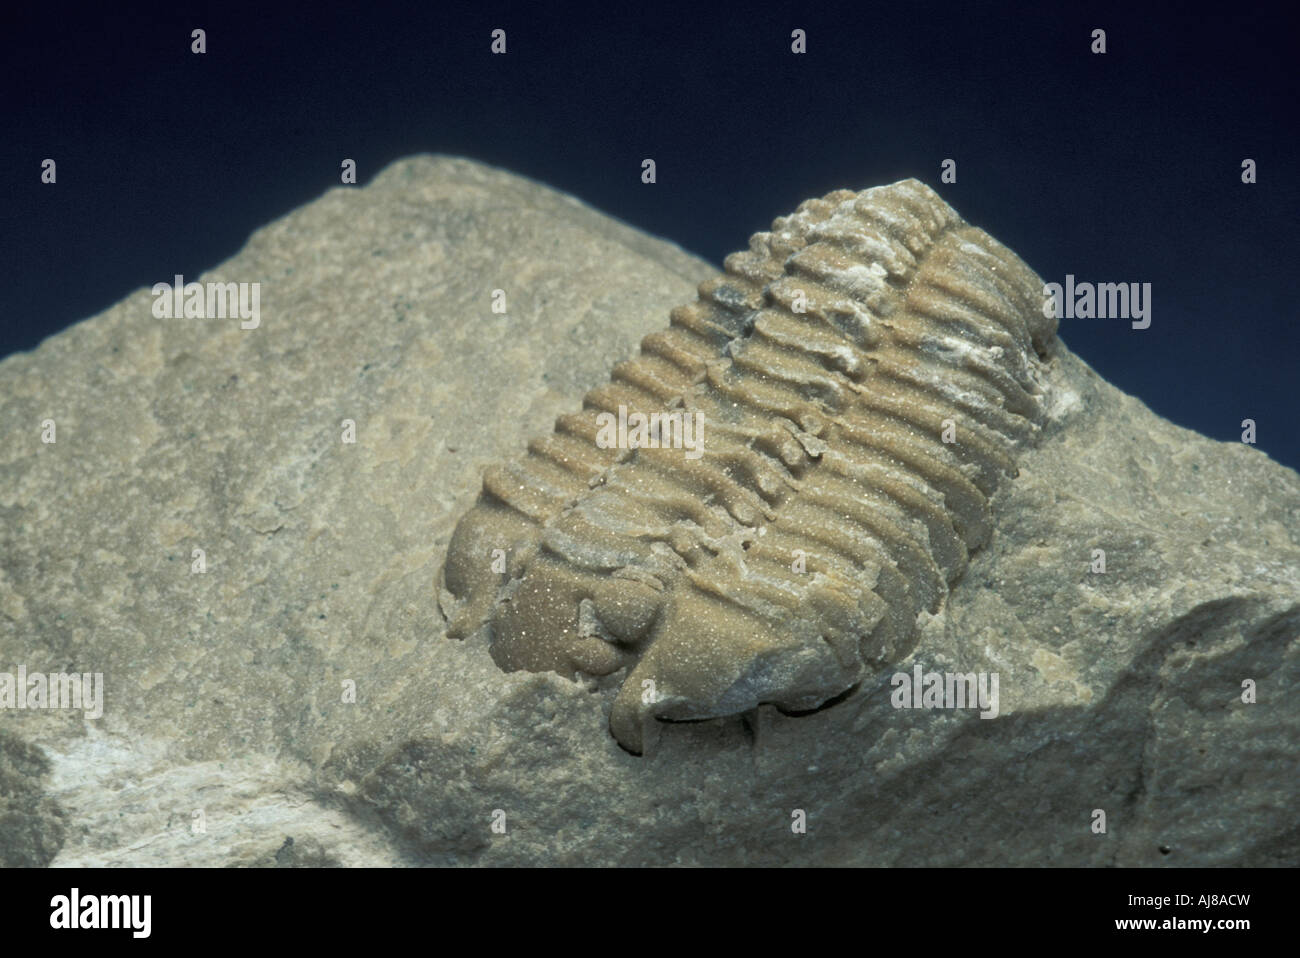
<point>862,376</point>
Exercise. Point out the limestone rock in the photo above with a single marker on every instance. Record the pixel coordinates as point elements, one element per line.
<point>226,736</point>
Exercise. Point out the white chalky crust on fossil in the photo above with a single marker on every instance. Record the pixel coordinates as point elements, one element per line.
<point>824,436</point>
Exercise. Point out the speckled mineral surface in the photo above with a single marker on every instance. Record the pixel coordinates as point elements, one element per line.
<point>257,593</point>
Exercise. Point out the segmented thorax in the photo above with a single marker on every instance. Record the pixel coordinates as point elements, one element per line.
<point>759,505</point>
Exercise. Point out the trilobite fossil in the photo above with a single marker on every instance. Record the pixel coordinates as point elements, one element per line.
<point>859,380</point>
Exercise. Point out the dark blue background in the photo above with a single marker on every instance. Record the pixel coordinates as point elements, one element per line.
<point>1122,167</point>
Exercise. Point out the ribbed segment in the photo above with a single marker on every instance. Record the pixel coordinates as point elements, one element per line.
<point>863,374</point>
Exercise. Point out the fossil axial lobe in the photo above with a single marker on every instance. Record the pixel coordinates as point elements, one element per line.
<point>865,372</point>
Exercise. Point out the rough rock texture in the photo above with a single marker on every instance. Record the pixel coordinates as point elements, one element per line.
<point>226,737</point>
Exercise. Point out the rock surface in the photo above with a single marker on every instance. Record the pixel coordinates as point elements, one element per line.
<point>226,737</point>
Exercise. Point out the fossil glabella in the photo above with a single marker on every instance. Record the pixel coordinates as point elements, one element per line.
<point>758,506</point>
